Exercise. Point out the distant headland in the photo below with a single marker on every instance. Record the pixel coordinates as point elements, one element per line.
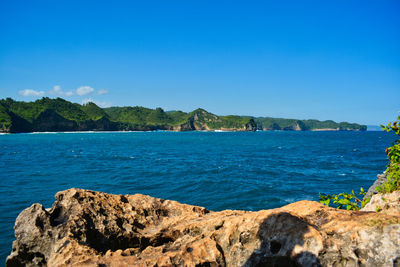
<point>59,115</point>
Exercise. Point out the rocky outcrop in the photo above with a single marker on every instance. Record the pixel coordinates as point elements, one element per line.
<point>388,203</point>
<point>380,180</point>
<point>251,126</point>
<point>198,121</point>
<point>298,126</point>
<point>201,120</point>
<point>274,127</point>
<point>87,228</point>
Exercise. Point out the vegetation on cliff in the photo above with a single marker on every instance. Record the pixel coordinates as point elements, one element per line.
<point>268,123</point>
<point>393,153</point>
<point>48,114</point>
<point>93,111</point>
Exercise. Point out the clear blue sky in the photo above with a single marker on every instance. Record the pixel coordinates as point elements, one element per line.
<point>335,60</point>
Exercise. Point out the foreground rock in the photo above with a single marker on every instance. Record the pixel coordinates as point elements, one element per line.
<point>86,228</point>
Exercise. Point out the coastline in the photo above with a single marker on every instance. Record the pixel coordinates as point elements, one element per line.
<point>177,131</point>
<point>59,115</point>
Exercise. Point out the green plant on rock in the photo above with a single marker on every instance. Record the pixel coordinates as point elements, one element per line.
<point>393,168</point>
<point>344,200</point>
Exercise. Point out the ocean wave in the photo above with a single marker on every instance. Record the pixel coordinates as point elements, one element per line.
<point>43,133</point>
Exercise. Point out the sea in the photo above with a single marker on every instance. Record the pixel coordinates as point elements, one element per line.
<point>217,170</point>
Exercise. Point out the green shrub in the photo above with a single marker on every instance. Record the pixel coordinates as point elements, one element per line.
<point>344,200</point>
<point>393,168</point>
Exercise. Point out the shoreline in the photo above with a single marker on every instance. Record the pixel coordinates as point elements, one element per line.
<point>177,131</point>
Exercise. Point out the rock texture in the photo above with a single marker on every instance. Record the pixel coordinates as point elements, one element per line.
<point>380,179</point>
<point>388,203</point>
<point>86,228</point>
<point>201,120</point>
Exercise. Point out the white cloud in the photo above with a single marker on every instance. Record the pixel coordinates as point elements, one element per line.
<point>59,92</point>
<point>84,90</point>
<point>102,92</point>
<point>30,92</point>
<point>57,89</point>
<point>99,103</point>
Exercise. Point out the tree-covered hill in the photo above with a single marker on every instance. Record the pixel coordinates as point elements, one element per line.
<point>267,123</point>
<point>139,116</point>
<point>93,111</point>
<point>48,114</point>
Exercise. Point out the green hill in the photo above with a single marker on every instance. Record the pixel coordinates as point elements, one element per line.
<point>48,114</point>
<point>93,111</point>
<point>268,123</point>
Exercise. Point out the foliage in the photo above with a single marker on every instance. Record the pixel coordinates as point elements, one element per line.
<point>268,123</point>
<point>201,116</point>
<point>344,200</point>
<point>158,117</point>
<point>139,116</point>
<point>232,121</point>
<point>178,117</point>
<point>93,111</point>
<point>31,110</point>
<point>393,168</point>
<point>26,110</point>
<point>132,115</point>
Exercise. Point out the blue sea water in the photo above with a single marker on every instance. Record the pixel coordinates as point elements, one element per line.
<point>224,170</point>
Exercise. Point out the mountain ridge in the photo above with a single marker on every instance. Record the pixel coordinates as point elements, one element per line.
<point>58,114</point>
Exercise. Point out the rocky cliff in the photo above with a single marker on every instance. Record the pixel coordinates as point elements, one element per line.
<point>86,228</point>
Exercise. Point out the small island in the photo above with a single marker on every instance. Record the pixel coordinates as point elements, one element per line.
<point>59,115</point>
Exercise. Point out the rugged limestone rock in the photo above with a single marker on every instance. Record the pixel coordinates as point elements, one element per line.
<point>86,228</point>
<point>386,203</point>
<point>274,127</point>
<point>294,127</point>
<point>380,179</point>
<point>201,120</point>
<point>251,126</point>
